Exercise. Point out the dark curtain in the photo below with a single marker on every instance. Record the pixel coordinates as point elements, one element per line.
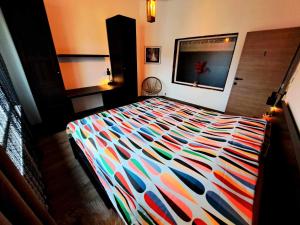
<point>15,136</point>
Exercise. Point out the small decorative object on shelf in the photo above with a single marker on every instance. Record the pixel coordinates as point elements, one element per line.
<point>108,73</point>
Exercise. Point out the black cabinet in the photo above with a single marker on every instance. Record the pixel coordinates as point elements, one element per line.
<point>29,27</point>
<point>121,33</point>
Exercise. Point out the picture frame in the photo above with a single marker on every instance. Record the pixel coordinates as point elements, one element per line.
<point>203,61</point>
<point>152,54</point>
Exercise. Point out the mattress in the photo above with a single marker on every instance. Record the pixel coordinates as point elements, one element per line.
<point>163,162</point>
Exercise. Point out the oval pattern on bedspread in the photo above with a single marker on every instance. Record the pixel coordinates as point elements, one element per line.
<point>163,162</point>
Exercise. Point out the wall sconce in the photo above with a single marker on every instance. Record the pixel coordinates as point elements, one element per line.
<point>151,10</point>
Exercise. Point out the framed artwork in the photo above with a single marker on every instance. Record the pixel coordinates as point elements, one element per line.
<point>203,61</point>
<point>152,54</point>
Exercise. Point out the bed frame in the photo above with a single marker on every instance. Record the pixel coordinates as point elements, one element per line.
<point>79,155</point>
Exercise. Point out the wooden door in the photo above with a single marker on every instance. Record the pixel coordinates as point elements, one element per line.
<point>264,62</point>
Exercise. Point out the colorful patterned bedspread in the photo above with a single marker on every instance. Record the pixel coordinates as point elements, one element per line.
<point>162,162</point>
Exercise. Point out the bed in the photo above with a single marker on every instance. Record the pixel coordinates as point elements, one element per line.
<point>164,162</point>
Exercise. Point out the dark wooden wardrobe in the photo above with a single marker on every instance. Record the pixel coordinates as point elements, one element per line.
<point>121,34</point>
<point>28,24</point>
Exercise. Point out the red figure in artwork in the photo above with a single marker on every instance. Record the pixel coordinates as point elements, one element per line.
<point>200,67</point>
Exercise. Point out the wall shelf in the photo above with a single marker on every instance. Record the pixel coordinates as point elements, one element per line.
<point>81,56</point>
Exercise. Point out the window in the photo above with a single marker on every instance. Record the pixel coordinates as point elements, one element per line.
<point>15,135</point>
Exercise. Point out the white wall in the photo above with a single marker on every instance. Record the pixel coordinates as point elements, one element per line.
<point>79,27</point>
<point>188,18</point>
<point>293,95</point>
<point>16,72</point>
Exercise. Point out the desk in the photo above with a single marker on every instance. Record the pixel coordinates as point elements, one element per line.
<point>80,92</point>
<point>112,96</point>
